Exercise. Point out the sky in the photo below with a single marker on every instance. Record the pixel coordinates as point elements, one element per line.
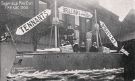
<point>118,7</point>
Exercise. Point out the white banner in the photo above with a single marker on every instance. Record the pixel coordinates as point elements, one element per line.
<point>108,33</point>
<point>33,22</point>
<point>75,12</point>
<point>124,51</point>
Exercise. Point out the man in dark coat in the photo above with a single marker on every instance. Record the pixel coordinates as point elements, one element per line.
<point>129,61</point>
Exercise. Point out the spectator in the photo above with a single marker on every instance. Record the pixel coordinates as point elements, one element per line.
<point>88,40</point>
<point>94,47</point>
<point>70,34</point>
<point>82,47</point>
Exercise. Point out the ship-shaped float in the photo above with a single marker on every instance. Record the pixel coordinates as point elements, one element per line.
<point>62,60</point>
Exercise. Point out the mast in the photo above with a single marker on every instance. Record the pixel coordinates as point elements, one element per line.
<point>97,29</point>
<point>12,38</point>
<point>55,17</point>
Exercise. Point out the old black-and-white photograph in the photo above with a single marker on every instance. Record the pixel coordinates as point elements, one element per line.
<point>67,40</point>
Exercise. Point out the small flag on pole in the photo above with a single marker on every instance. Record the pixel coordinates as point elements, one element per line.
<point>124,51</point>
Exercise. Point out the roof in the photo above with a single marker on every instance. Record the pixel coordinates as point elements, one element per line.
<point>128,26</point>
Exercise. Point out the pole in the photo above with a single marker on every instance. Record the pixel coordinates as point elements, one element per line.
<point>97,29</point>
<point>13,41</point>
<point>34,40</point>
<point>56,24</point>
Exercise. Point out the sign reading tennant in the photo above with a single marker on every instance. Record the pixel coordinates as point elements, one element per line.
<point>33,22</point>
<point>108,33</point>
<point>75,12</point>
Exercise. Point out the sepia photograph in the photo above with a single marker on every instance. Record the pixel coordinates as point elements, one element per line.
<point>67,40</point>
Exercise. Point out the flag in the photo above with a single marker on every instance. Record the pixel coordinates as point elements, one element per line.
<point>108,33</point>
<point>124,51</point>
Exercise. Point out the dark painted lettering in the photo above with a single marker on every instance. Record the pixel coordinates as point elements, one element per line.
<point>40,17</point>
<point>65,10</point>
<point>45,15</point>
<point>25,27</point>
<point>29,25</point>
<point>21,29</point>
<point>36,20</point>
<point>33,22</point>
